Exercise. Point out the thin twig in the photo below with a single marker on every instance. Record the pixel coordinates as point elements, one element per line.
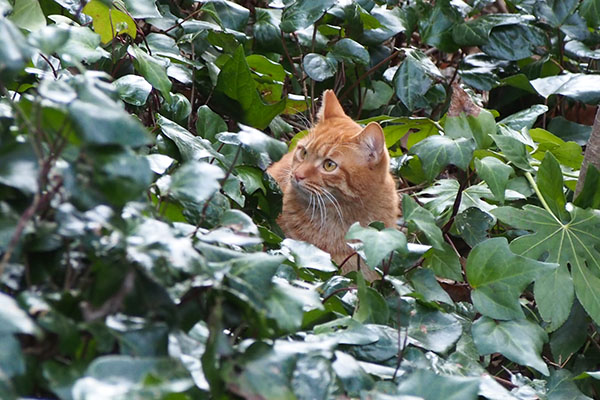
<point>287,54</point>
<point>179,23</point>
<point>54,72</point>
<point>400,349</point>
<point>330,295</point>
<point>206,204</point>
<point>348,258</point>
<point>29,213</point>
<point>369,72</point>
<point>456,205</point>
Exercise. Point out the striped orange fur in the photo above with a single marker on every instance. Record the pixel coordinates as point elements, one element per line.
<point>338,174</point>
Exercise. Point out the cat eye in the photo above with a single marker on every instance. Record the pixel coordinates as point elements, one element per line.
<point>329,165</point>
<point>301,153</point>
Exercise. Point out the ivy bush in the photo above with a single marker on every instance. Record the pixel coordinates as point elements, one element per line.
<point>140,253</point>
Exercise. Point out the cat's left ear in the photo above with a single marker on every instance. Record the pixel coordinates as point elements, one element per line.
<point>372,140</point>
<point>331,107</point>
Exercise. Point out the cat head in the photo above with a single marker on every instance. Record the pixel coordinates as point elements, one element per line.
<point>338,155</point>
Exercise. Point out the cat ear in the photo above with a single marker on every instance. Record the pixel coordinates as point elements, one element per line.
<point>331,107</point>
<point>372,140</point>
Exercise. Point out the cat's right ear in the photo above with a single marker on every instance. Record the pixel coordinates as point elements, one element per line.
<point>372,140</point>
<point>331,107</point>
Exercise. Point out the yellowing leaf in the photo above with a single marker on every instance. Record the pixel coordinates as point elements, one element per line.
<point>109,22</point>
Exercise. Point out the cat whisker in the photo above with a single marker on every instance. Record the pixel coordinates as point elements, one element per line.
<point>322,211</point>
<point>329,196</point>
<point>311,206</point>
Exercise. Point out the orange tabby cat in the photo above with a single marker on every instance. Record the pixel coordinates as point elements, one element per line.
<point>338,174</point>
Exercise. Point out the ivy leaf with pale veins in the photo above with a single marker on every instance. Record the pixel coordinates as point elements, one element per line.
<point>377,244</point>
<point>308,256</point>
<point>436,152</point>
<point>498,277</point>
<point>573,243</point>
<point>550,182</point>
<point>520,341</point>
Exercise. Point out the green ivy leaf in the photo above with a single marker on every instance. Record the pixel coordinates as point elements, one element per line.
<point>444,263</point>
<point>303,13</point>
<point>478,127</point>
<point>83,45</point>
<point>428,385</point>
<point>195,181</point>
<point>571,336</point>
<point>14,52</point>
<point>575,48</point>
<point>514,150</point>
<point>572,243</point>
<point>520,341</point>
<point>377,245</point>
<point>590,10</point>
<point>152,69</point>
<point>12,363</point>
<point>349,50</point>
<point>473,225</point>
<point>191,147</point>
<point>126,376</point>
<point>232,15</point>
<point>353,377</point>
<point>436,152</point>
<point>425,284</point>
<point>377,96</point>
<point>514,42</point>
<point>495,173</point>
<point>287,304</point>
<point>133,89</point>
<point>498,277</point>
<point>561,385</point>
<point>580,87</point>
<point>435,26</point>
<point>28,15</point>
<point>555,12</point>
<point>524,118</point>
<point>236,82</point>
<point>142,8</point>
<point>415,76</point>
<point>13,319</point>
<point>209,123</point>
<point>372,308</point>
<point>308,256</point>
<point>423,220</point>
<point>109,22</point>
<point>112,126</point>
<point>319,67</point>
<point>19,167</point>
<point>550,182</point>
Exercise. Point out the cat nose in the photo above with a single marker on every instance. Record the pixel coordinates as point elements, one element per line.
<point>299,176</point>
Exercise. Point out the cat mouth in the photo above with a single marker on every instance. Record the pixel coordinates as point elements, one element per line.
<point>301,188</point>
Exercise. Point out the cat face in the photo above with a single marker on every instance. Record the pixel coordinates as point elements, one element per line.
<point>339,158</point>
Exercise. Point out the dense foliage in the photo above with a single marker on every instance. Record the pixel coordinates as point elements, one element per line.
<point>140,253</point>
